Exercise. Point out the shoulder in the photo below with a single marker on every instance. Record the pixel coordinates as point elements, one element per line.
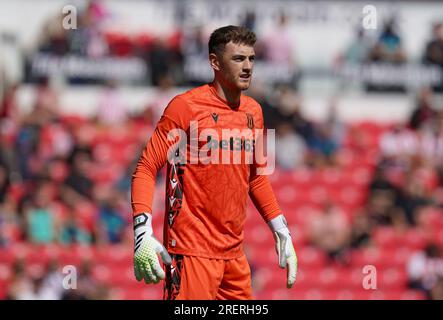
<point>252,104</point>
<point>195,93</point>
<point>181,108</point>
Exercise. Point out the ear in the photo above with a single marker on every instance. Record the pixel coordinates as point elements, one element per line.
<point>214,62</point>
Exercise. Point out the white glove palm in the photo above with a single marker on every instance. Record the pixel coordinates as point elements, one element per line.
<point>285,249</point>
<point>146,248</point>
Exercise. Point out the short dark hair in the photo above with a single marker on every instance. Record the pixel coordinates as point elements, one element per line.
<point>222,36</point>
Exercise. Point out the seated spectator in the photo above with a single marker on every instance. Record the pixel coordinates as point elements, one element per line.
<point>358,50</point>
<point>398,145</point>
<point>289,148</point>
<point>38,291</point>
<point>53,280</point>
<point>278,48</point>
<point>88,288</point>
<point>434,51</point>
<point>389,46</point>
<point>19,281</point>
<point>380,182</point>
<point>423,111</point>
<point>42,223</point>
<point>4,181</point>
<point>361,231</point>
<point>336,127</point>
<point>194,42</point>
<point>434,48</point>
<point>388,52</point>
<point>53,38</point>
<point>436,292</point>
<point>381,210</point>
<point>411,198</point>
<point>323,143</point>
<point>425,268</point>
<point>329,230</point>
<point>280,43</point>
<point>11,228</point>
<point>8,106</point>
<point>71,231</point>
<point>111,217</point>
<point>111,110</point>
<point>78,184</point>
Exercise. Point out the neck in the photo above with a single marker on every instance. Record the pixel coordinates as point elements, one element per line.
<point>232,97</point>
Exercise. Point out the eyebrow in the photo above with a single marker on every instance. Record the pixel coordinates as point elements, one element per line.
<point>242,56</point>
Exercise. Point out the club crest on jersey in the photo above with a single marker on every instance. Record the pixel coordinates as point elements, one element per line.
<point>214,116</point>
<point>250,120</point>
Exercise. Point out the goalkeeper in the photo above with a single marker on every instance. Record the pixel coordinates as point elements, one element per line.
<point>202,253</point>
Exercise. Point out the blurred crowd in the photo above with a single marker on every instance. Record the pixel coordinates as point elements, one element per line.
<point>165,55</point>
<point>405,191</point>
<point>66,179</point>
<point>388,49</point>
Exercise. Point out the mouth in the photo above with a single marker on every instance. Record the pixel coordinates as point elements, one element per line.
<point>245,76</point>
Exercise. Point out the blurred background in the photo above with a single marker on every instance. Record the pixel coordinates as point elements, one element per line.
<point>358,114</point>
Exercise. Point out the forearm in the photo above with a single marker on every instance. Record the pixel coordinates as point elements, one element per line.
<point>142,188</point>
<point>263,197</point>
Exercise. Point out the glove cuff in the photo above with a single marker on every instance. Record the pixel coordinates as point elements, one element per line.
<point>143,223</point>
<point>278,223</point>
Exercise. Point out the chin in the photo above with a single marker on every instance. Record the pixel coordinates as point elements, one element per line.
<point>244,86</point>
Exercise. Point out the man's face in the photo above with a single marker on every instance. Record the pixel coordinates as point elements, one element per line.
<point>234,65</point>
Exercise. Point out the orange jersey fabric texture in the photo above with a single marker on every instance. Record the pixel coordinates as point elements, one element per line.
<point>205,203</point>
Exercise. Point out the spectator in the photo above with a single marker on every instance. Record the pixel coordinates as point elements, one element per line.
<point>425,267</point>
<point>279,43</point>
<point>165,93</point>
<point>111,217</point>
<point>72,232</point>
<point>434,48</point>
<point>290,148</point>
<point>4,182</point>
<point>434,51</point>
<point>8,107</point>
<point>361,230</point>
<point>271,115</point>
<point>358,50</point>
<point>387,52</point>
<point>53,38</point>
<point>10,223</point>
<point>411,199</point>
<point>20,281</point>
<point>37,291</point>
<point>335,125</point>
<point>194,43</point>
<point>53,280</point>
<point>398,145</point>
<point>323,143</point>
<point>42,223</point>
<point>111,111</point>
<point>436,292</point>
<point>389,46</point>
<point>78,184</point>
<point>383,212</point>
<point>329,230</point>
<point>162,60</point>
<point>423,111</point>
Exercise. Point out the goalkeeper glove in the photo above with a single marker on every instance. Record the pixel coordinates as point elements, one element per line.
<point>146,247</point>
<point>284,248</point>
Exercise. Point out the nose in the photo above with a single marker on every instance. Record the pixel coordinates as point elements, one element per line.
<point>247,65</point>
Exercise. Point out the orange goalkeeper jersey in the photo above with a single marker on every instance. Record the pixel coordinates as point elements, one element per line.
<point>205,200</point>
